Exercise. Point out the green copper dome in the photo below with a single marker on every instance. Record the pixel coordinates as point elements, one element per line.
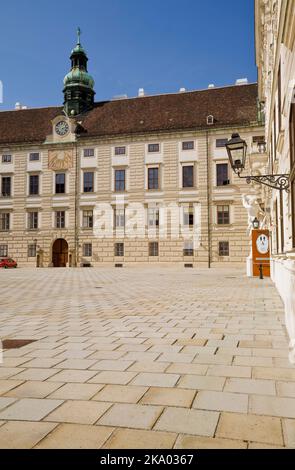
<point>78,76</point>
<point>78,50</point>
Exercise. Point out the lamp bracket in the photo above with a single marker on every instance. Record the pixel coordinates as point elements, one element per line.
<point>280,182</point>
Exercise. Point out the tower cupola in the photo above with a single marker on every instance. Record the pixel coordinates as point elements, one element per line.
<point>78,84</point>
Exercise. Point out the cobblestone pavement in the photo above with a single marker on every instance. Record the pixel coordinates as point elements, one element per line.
<point>144,357</point>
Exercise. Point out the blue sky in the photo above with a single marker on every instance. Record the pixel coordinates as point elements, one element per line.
<point>160,45</point>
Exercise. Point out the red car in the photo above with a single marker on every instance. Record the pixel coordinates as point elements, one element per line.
<point>7,263</point>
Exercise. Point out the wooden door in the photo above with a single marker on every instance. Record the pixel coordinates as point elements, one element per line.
<point>60,253</point>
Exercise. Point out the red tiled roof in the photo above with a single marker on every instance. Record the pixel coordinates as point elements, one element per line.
<point>230,106</point>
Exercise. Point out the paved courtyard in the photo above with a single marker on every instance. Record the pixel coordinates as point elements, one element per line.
<point>144,357</point>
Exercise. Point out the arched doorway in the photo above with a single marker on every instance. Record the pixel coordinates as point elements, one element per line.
<point>60,253</point>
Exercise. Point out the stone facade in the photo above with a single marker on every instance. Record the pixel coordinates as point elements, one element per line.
<point>275,50</point>
<point>103,164</point>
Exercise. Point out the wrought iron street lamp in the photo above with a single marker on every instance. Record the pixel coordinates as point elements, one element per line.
<point>237,153</point>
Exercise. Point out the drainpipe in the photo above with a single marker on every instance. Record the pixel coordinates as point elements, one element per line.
<point>208,201</point>
<point>77,211</point>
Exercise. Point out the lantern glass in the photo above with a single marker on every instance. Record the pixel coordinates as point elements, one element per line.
<point>237,151</point>
<point>261,147</point>
<point>256,223</point>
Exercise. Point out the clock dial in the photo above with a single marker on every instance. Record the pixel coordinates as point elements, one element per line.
<point>62,128</point>
<point>262,244</point>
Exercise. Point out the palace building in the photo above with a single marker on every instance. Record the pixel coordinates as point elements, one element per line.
<point>127,180</point>
<point>275,56</point>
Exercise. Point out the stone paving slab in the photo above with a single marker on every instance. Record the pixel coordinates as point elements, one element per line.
<point>33,389</point>
<point>29,409</point>
<point>78,412</point>
<point>197,442</point>
<point>121,394</point>
<point>75,436</point>
<point>181,368</point>
<point>131,416</point>
<point>23,435</point>
<point>221,401</point>
<point>249,427</point>
<point>182,420</point>
<point>139,439</point>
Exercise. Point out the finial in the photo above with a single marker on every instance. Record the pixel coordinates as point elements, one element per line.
<point>79,36</point>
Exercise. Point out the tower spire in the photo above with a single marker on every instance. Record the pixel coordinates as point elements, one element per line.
<point>79,32</point>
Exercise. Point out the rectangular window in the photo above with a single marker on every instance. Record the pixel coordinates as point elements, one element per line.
<point>188,215</point>
<point>6,158</point>
<point>34,185</point>
<point>3,251</point>
<point>119,218</point>
<point>88,184</point>
<point>223,249</point>
<point>292,169</point>
<point>221,143</point>
<point>34,157</point>
<point>120,150</point>
<point>153,249</point>
<point>188,145</point>
<point>222,174</point>
<point>154,148</point>
<point>32,250</point>
<point>60,183</point>
<point>188,176</point>
<point>153,217</point>
<point>119,249</point>
<point>88,219</point>
<point>188,248</point>
<point>119,180</point>
<point>33,220</point>
<point>5,221</point>
<point>223,215</point>
<point>60,219</point>
<point>87,249</point>
<point>6,186</point>
<point>153,178</point>
<point>88,153</point>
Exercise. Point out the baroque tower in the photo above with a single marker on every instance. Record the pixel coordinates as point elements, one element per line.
<point>78,84</point>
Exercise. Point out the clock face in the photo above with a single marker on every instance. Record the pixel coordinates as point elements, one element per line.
<point>262,244</point>
<point>62,128</point>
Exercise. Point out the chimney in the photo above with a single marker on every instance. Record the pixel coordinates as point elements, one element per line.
<point>119,97</point>
<point>242,81</point>
<point>19,106</point>
<point>141,93</point>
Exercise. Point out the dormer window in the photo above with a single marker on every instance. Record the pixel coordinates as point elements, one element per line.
<point>210,120</point>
